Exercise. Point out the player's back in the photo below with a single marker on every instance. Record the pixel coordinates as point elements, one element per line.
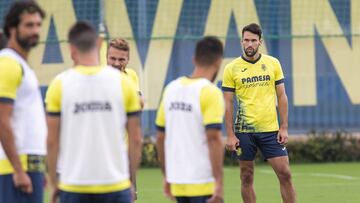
<point>186,149</point>
<point>92,128</point>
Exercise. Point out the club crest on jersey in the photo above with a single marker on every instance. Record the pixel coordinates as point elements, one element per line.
<point>263,66</point>
<point>94,106</point>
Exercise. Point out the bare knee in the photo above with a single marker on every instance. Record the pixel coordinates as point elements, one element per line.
<point>284,176</point>
<point>247,176</point>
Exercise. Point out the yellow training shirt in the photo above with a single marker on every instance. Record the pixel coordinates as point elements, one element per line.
<point>254,84</point>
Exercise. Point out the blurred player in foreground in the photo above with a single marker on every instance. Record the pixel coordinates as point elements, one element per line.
<point>89,109</point>
<point>22,117</point>
<point>189,138</point>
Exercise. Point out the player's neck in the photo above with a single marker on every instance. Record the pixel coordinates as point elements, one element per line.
<point>12,44</point>
<point>200,72</point>
<point>88,59</point>
<point>253,58</point>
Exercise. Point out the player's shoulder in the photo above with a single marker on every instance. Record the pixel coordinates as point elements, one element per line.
<point>211,90</point>
<point>269,58</point>
<point>9,62</point>
<point>131,72</point>
<point>234,62</point>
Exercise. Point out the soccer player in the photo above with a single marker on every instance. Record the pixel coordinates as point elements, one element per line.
<point>118,57</point>
<point>257,81</point>
<point>22,117</point>
<point>189,138</point>
<point>89,108</point>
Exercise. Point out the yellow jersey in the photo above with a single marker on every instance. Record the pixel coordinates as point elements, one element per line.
<point>254,84</point>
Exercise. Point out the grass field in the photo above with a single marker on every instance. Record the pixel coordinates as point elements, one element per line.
<point>315,183</point>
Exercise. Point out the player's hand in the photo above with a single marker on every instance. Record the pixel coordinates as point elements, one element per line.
<point>232,142</point>
<point>282,136</point>
<point>133,194</point>
<point>22,181</point>
<point>55,195</point>
<point>217,197</point>
<point>167,191</point>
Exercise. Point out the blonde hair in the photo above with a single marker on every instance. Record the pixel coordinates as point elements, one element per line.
<point>120,44</point>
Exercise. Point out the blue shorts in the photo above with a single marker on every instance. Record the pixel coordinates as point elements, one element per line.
<point>266,142</point>
<point>123,196</point>
<point>10,194</point>
<point>197,199</point>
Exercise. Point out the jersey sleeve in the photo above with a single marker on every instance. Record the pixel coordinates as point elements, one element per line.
<point>131,98</point>
<point>212,107</point>
<point>11,74</point>
<point>228,83</point>
<point>160,115</point>
<point>53,97</point>
<point>279,75</point>
<point>134,77</point>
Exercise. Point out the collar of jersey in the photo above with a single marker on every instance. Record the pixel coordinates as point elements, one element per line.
<point>252,62</point>
<point>187,80</point>
<point>88,70</point>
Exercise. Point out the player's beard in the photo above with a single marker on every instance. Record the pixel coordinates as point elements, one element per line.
<point>27,42</point>
<point>250,52</point>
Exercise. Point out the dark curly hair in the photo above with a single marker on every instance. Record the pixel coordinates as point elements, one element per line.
<point>12,18</point>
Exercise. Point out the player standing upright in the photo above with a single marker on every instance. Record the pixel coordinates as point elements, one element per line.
<point>118,56</point>
<point>257,81</point>
<point>189,138</point>
<point>89,109</point>
<point>22,117</point>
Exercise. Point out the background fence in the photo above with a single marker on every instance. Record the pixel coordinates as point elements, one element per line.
<point>317,42</point>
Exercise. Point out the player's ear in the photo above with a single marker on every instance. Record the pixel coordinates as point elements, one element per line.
<point>261,41</point>
<point>99,42</point>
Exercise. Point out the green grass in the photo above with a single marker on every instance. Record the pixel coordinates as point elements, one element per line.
<point>315,183</point>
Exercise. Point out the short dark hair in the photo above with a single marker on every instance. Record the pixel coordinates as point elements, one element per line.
<point>253,28</point>
<point>12,18</point>
<point>83,36</point>
<point>208,50</point>
<point>3,40</point>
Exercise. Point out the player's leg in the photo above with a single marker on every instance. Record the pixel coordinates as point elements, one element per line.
<point>247,156</point>
<point>123,196</point>
<point>38,180</point>
<point>282,170</point>
<point>71,197</point>
<point>10,194</point>
<point>182,199</point>
<point>247,181</point>
<point>197,199</point>
<point>277,156</point>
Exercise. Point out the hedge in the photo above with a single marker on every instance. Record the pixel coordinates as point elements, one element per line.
<point>316,147</point>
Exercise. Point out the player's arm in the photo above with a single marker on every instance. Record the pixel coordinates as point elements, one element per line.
<point>160,135</point>
<point>282,103</point>
<point>160,146</point>
<point>53,109</point>
<point>228,87</point>
<point>212,109</point>
<point>10,79</point>
<point>283,112</point>
<point>132,108</point>
<point>53,142</point>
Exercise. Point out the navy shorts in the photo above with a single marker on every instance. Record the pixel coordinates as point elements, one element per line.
<point>123,196</point>
<point>197,199</point>
<point>10,194</point>
<point>266,142</point>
